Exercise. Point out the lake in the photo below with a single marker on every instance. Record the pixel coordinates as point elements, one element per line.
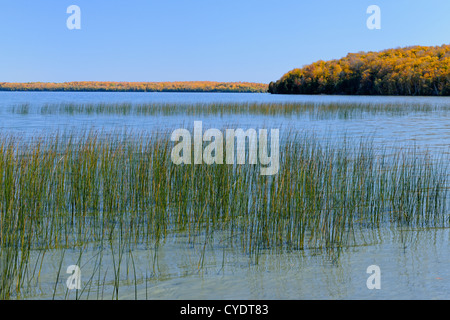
<point>413,261</point>
<point>428,129</point>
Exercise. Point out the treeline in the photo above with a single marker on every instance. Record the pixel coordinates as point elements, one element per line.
<point>182,86</point>
<point>416,70</point>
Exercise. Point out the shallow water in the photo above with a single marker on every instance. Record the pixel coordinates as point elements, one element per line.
<point>413,264</point>
<point>415,268</point>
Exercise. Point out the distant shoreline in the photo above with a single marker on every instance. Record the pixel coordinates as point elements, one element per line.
<point>110,86</point>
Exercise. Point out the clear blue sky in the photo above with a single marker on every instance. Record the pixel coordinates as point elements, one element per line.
<point>216,40</point>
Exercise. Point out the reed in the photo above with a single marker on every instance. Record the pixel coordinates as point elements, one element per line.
<point>115,192</point>
<point>324,110</point>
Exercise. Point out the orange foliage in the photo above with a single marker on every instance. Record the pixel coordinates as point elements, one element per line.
<point>182,86</point>
<point>416,70</point>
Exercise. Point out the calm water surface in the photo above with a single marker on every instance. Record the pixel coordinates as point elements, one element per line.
<point>430,130</point>
<point>413,269</point>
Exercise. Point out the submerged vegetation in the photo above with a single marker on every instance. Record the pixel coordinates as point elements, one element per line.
<point>342,110</point>
<point>180,86</point>
<point>95,190</point>
<point>416,70</point>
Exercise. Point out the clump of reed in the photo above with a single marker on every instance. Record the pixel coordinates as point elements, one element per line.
<point>23,108</point>
<point>66,191</point>
<point>322,110</point>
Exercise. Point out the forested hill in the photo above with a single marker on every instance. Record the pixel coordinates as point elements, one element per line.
<point>181,86</point>
<point>414,70</point>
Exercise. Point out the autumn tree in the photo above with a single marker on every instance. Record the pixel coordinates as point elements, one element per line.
<point>416,70</point>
